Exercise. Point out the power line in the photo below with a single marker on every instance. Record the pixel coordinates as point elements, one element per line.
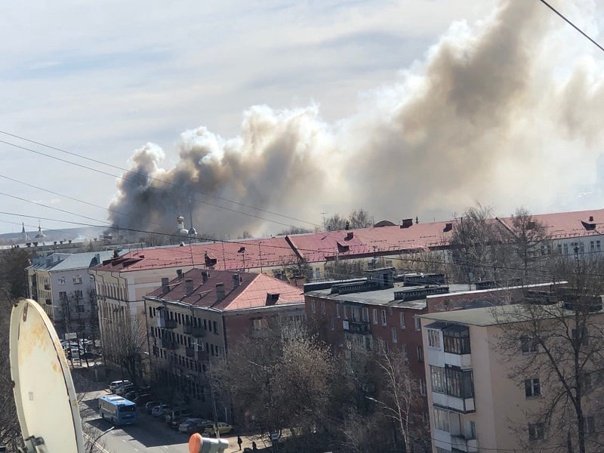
<point>572,24</point>
<point>136,173</point>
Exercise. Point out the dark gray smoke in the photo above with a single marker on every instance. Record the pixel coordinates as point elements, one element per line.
<point>486,117</point>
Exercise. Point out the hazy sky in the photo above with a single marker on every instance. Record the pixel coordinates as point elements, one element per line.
<point>105,78</point>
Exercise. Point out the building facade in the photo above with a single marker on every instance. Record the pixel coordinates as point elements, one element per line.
<point>62,285</point>
<point>193,319</point>
<point>483,393</point>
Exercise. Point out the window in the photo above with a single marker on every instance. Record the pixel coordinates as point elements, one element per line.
<point>61,280</point>
<point>420,354</point>
<point>418,323</point>
<point>581,336</point>
<point>592,246</point>
<point>402,319</point>
<point>394,335</point>
<point>77,280</point>
<point>452,381</point>
<point>365,314</point>
<point>422,387</point>
<point>215,327</point>
<point>384,320</point>
<point>434,338</point>
<point>62,296</point>
<point>80,308</point>
<point>528,344</point>
<point>456,339</point>
<point>536,431</point>
<point>566,249</point>
<point>441,419</point>
<point>78,294</point>
<point>590,424</point>
<point>532,388</point>
<point>597,246</point>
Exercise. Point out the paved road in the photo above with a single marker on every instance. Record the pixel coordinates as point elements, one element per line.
<point>147,435</point>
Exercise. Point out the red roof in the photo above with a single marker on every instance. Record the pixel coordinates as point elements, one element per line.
<point>319,247</point>
<point>251,292</point>
<point>243,254</point>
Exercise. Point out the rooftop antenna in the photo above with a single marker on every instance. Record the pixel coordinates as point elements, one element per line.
<point>47,406</point>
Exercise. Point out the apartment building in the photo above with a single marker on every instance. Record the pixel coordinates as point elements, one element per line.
<point>486,397</point>
<point>193,319</point>
<point>62,285</point>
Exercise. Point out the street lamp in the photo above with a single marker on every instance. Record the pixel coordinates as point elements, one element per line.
<point>93,443</point>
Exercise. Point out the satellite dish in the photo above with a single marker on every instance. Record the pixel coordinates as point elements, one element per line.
<point>45,397</point>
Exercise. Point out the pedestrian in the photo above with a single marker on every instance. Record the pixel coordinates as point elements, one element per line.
<point>254,448</point>
<point>239,441</point>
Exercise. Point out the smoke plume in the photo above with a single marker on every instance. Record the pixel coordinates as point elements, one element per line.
<point>488,116</point>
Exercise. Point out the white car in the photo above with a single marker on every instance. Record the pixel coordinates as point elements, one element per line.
<point>160,409</point>
<point>116,384</point>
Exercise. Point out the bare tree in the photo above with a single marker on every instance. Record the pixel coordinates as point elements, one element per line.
<point>400,398</point>
<point>359,218</point>
<point>124,343</point>
<point>554,347</point>
<point>472,245</point>
<point>278,379</point>
<point>528,240</point>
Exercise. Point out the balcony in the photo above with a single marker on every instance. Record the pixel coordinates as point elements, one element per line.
<point>190,351</point>
<point>463,405</point>
<point>187,328</point>
<point>360,327</point>
<point>203,356</point>
<point>169,344</point>
<point>198,332</point>
<point>169,324</point>
<point>464,443</point>
<point>459,360</point>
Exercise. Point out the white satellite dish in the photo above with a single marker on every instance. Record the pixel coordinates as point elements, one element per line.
<point>46,401</point>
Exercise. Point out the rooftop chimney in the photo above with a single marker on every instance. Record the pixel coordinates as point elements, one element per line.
<point>165,287</point>
<point>407,223</point>
<point>272,298</point>
<point>236,280</point>
<point>179,273</point>
<point>189,286</point>
<point>591,218</point>
<point>349,235</point>
<point>219,291</point>
<point>204,276</point>
<point>448,227</point>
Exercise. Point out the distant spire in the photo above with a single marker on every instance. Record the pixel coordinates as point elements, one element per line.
<point>23,232</point>
<point>40,234</point>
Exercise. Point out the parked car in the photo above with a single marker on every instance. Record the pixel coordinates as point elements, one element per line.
<point>176,414</point>
<point>142,398</point>
<point>115,384</point>
<point>223,428</point>
<point>160,410</point>
<point>149,405</point>
<point>131,395</point>
<point>194,425</point>
<point>124,388</point>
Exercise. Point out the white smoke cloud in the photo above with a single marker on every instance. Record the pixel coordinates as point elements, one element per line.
<point>493,114</point>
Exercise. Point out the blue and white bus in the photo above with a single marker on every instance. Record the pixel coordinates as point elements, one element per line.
<point>117,410</point>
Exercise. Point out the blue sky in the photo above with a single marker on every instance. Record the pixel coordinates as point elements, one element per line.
<point>103,79</point>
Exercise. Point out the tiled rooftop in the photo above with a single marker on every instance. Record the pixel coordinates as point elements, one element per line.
<point>251,292</point>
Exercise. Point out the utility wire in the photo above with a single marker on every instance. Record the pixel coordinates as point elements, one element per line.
<point>537,272</point>
<point>572,25</point>
<point>136,173</point>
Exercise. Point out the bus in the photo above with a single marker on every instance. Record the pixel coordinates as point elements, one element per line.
<point>117,410</point>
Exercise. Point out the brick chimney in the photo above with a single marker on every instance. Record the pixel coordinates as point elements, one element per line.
<point>236,280</point>
<point>189,286</point>
<point>219,291</point>
<point>165,287</point>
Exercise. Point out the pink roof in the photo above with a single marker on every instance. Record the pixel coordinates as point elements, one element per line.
<point>244,254</point>
<point>251,292</point>
<point>319,247</point>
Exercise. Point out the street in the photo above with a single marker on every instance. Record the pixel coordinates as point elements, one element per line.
<point>148,434</point>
